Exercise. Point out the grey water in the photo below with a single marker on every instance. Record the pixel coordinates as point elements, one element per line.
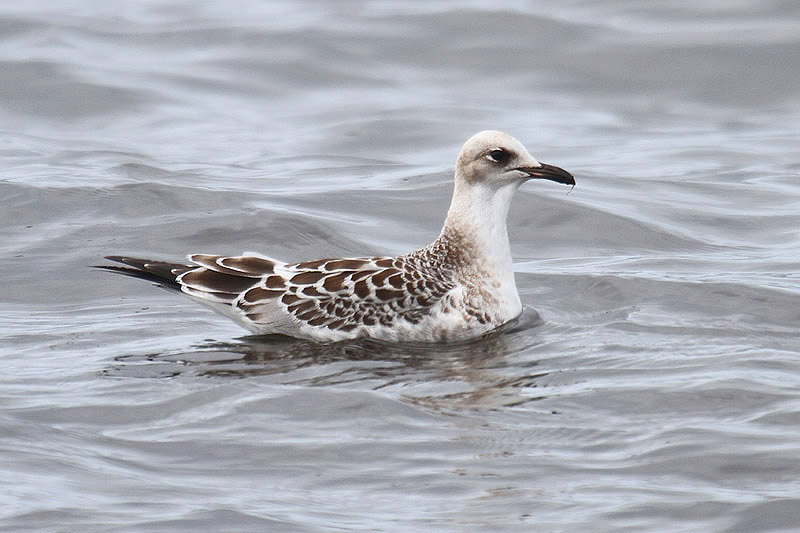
<point>652,384</point>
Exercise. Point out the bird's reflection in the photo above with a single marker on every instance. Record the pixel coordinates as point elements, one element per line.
<point>488,372</point>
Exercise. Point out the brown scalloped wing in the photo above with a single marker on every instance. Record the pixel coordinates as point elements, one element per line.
<point>245,265</point>
<point>342,294</point>
<point>223,279</point>
<point>216,286</point>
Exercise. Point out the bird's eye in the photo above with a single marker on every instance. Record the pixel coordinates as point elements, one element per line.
<point>497,156</point>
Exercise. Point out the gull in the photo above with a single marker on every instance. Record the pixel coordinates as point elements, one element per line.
<point>459,287</point>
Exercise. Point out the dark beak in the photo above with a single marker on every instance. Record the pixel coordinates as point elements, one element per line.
<point>549,172</point>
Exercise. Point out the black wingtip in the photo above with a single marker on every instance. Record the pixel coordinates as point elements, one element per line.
<point>159,272</point>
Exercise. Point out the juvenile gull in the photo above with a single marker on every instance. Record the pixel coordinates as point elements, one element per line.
<point>456,288</point>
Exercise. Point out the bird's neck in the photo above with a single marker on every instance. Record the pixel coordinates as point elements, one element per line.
<point>478,216</point>
<point>474,240</point>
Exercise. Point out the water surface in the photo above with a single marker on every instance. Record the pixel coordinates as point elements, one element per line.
<point>657,392</point>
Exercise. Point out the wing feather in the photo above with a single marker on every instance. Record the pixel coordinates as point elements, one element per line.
<point>343,294</point>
